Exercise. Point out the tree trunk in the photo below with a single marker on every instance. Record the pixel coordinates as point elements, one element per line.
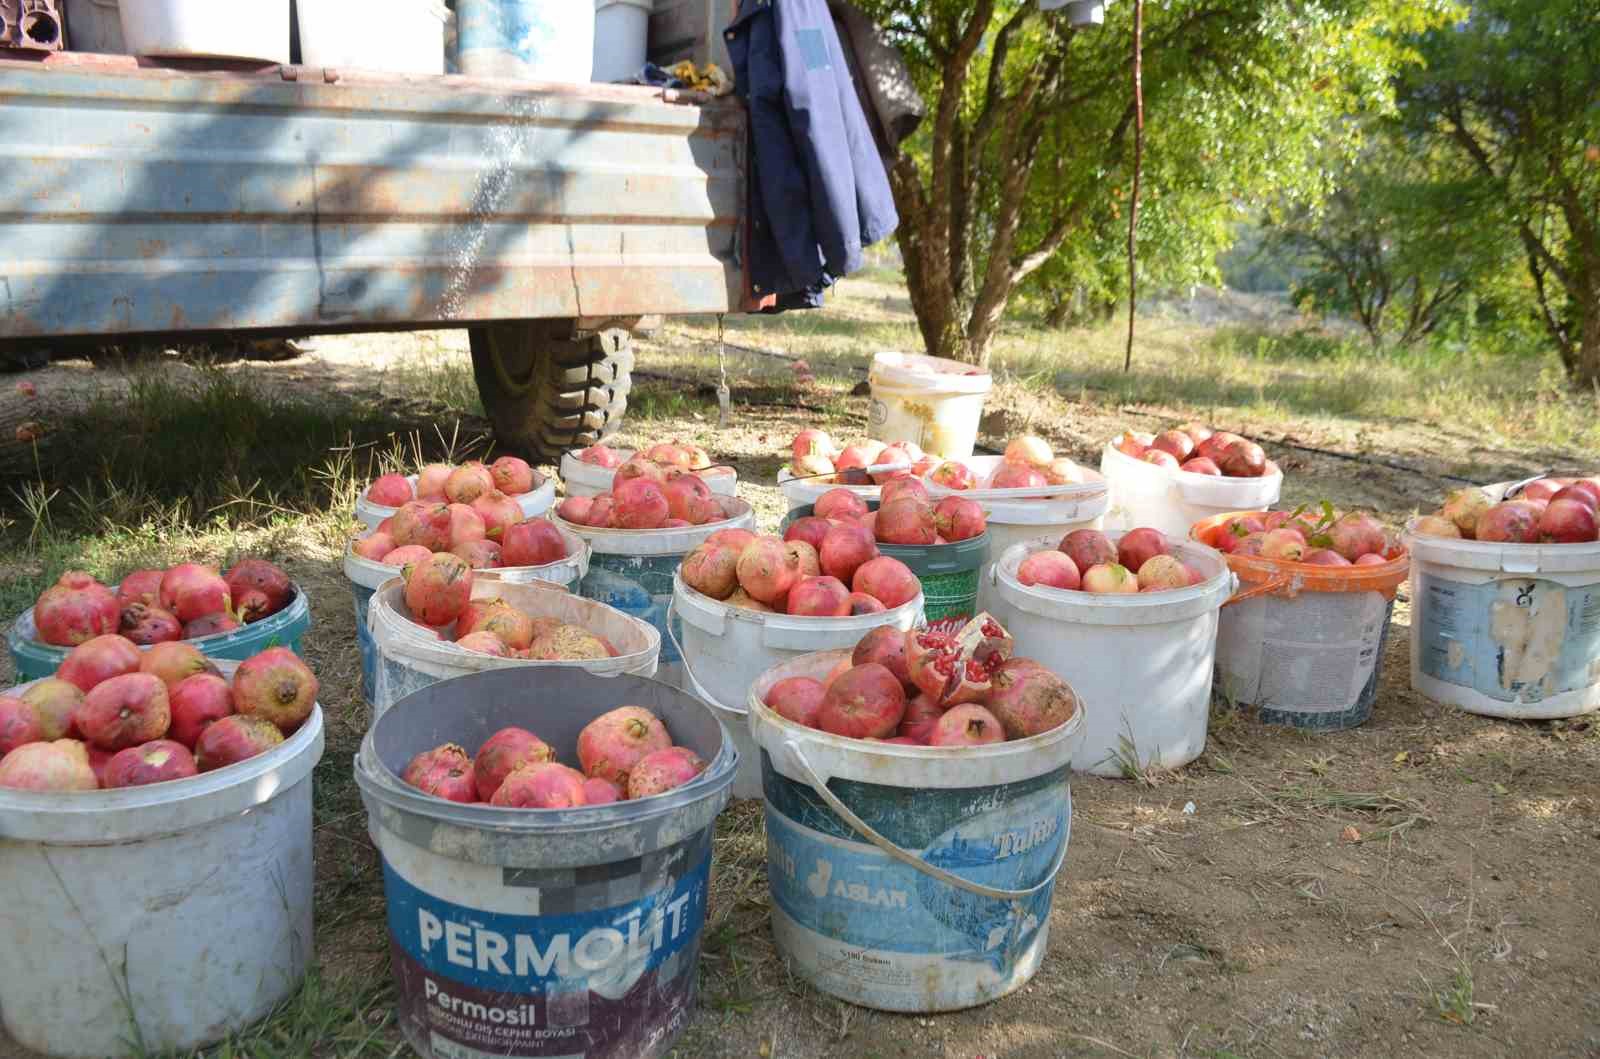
<point>1586,366</point>
<point>1059,314</point>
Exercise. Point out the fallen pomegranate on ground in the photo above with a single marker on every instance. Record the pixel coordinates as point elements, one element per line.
<point>1197,449</point>
<point>450,483</point>
<point>794,576</point>
<point>1545,511</point>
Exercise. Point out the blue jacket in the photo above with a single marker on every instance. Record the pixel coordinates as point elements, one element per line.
<point>818,191</point>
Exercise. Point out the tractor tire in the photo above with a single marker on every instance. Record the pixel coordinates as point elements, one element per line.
<point>549,390</point>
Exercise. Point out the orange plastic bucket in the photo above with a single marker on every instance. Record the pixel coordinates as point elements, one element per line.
<point>1301,644</point>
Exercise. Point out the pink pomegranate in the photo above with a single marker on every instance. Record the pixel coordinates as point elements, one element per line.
<point>1356,534</point>
<point>811,441</point>
<point>861,603</point>
<point>484,643</point>
<point>95,661</point>
<point>1138,546</point>
<point>600,456</point>
<point>668,454</point>
<point>640,503</point>
<point>54,702</point>
<point>1017,476</point>
<point>858,457</point>
<point>844,549</point>
<point>75,609</point>
<point>638,467</point>
<point>952,474</point>
<point>1163,573</point>
<point>690,499</point>
<point>905,486</point>
<point>803,557</point>
<point>1370,559</point>
<point>1511,521</point>
<point>1087,547</point>
<point>390,490</point>
<point>1164,460</point>
<point>1213,445</point>
<point>512,476</point>
<point>276,686</point>
<point>444,772</point>
<point>19,724</point>
<point>407,555</point>
<point>1130,444</point>
<point>864,702</point>
<point>1328,557</point>
<point>597,791</point>
<point>234,738</point>
<point>1543,489</point>
<point>1201,465</point>
<point>466,525</point>
<point>536,542</point>
<point>1110,579</point>
<point>767,570</point>
<point>966,725</point>
<point>374,546</point>
<point>575,509</point>
<point>52,767</point>
<point>888,580</point>
<point>512,627</point>
<point>1052,569</point>
<point>141,586</point>
<point>958,519</point>
<point>505,752</point>
<point>1567,522</point>
<point>922,713</point>
<point>124,711</point>
<point>1174,443</point>
<point>1028,699</point>
<point>1283,543</point>
<point>438,587</point>
<point>735,538</point>
<point>819,597</point>
<point>907,521</point>
<point>468,482</point>
<point>613,743</point>
<point>1465,507</point>
<point>835,673</point>
<point>897,461</point>
<point>1029,451</point>
<point>491,515</point>
<point>839,504</point>
<point>173,663</point>
<point>1435,526</point>
<point>157,761</point>
<point>1584,490</point>
<point>190,591</point>
<point>98,760</point>
<point>210,625</point>
<point>1063,471</point>
<point>663,770</point>
<point>699,458</point>
<point>196,702</point>
<point>797,699</point>
<point>431,479</point>
<point>711,569</point>
<point>811,465</point>
<point>480,555</point>
<point>1241,459</point>
<point>146,625</point>
<point>1198,432</point>
<point>810,529</point>
<point>422,523</point>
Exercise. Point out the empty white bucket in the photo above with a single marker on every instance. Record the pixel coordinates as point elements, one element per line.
<point>526,40</point>
<point>621,37</point>
<point>397,36</point>
<point>586,479</point>
<point>933,402</point>
<point>206,29</point>
<point>1171,501</point>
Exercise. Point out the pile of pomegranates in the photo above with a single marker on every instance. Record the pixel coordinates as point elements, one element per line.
<point>819,569</point>
<point>926,688</point>
<point>684,455</point>
<point>649,495</point>
<point>1548,511</point>
<point>1197,449</point>
<point>906,515</point>
<point>1322,537</point>
<point>183,602</point>
<point>1087,560</point>
<point>490,532</point>
<point>1028,463</point>
<point>624,754</point>
<point>448,483</point>
<point>497,627</point>
<point>814,455</point>
<point>115,716</point>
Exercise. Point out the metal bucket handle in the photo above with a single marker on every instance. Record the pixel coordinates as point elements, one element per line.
<point>907,858</point>
<point>1265,588</point>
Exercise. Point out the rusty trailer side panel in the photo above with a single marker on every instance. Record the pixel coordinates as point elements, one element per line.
<point>136,200</point>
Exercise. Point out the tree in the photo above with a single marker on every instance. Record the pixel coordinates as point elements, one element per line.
<point>1514,90</point>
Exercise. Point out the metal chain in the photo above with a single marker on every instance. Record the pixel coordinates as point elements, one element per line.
<point>724,395</point>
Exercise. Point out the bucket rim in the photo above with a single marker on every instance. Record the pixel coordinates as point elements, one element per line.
<point>298,608</point>
<point>1201,488</point>
<point>371,569</point>
<point>674,540</point>
<point>1137,608</point>
<point>950,378</point>
<point>1501,556</point>
<point>1304,577</point>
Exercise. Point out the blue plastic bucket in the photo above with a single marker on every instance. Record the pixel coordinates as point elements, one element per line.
<point>542,932</point>
<point>908,878</point>
<point>529,40</point>
<point>35,660</point>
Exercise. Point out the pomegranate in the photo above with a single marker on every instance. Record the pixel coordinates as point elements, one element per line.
<point>1241,459</point>
<point>513,476</point>
<point>1215,444</point>
<point>196,702</point>
<point>600,456</point>
<point>1029,451</point>
<point>712,569</point>
<point>210,625</point>
<point>1356,534</point>
<point>1198,433</point>
<point>1435,526</point>
<point>601,510</point>
<point>885,645</point>
<point>638,467</point>
<point>374,546</point>
<point>888,580</point>
<point>1174,443</point>
<point>444,772</point>
<point>810,529</point>
<point>906,521</point>
<point>1286,544</point>
<point>1052,569</point>
<point>175,662</point>
<point>931,660</point>
<point>190,591</point>
<point>486,643</point>
<point>952,474</point>
<point>567,643</point>
<point>1250,544</point>
<point>536,542</point>
<point>498,513</point>
<point>864,702</point>
<point>819,597</point>
<point>1017,476</point>
<point>668,454</point>
<point>431,479</point>
<point>921,714</point>
<point>512,627</point>
<point>235,738</point>
<point>98,660</point>
<point>1465,507</point>
<point>468,482</point>
<point>597,791</point>
<point>1131,444</point>
<point>466,525</point>
<point>53,767</point>
<point>734,538</point>
<point>258,589</point>
<point>895,488</point>
<point>811,441</point>
<point>859,457</point>
<point>699,458</point>
<point>1514,521</point>
<point>276,686</point>
<point>20,724</point>
<point>1138,546</point>
<point>804,557</point>
<point>861,603</point>
<point>76,609</point>
<point>124,711</point>
<point>689,498</point>
<point>1200,465</point>
<point>437,589</point>
<point>1162,573</point>
<point>958,519</point>
<point>966,725</point>
<point>896,460</point>
<point>407,555</point>
<point>613,743</point>
<point>1088,547</point>
<point>157,761</point>
<point>663,770</point>
<point>1110,579</point>
<point>1568,522</point>
<point>1584,490</point>
<point>505,752</point>
<point>1543,489</point>
<point>390,490</point>
<point>844,549</point>
<point>424,524</point>
<point>1326,557</point>
<point>767,570</point>
<point>575,509</point>
<point>797,699</point>
<point>744,601</point>
<point>835,673</point>
<point>1028,699</point>
<point>146,625</point>
<point>1160,459</point>
<point>1370,559</point>
<point>639,503</point>
<point>54,702</point>
<point>480,555</point>
<point>839,504</point>
<point>1063,471</point>
<point>141,586</point>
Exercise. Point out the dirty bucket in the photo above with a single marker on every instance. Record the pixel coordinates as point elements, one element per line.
<point>158,918</point>
<point>633,570</point>
<point>94,26</point>
<point>33,659</point>
<point>397,36</point>
<point>1506,630</point>
<point>930,401</point>
<point>585,479</point>
<point>526,40</point>
<point>366,576</point>
<point>1141,663</point>
<point>411,657</point>
<point>542,932</point>
<point>1302,645</point>
<point>908,878</point>
<point>1143,494</point>
<point>725,649</point>
<point>533,503</point>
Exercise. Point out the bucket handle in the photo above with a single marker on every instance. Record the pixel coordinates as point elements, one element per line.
<point>683,658</point>
<point>1265,588</point>
<point>907,858</point>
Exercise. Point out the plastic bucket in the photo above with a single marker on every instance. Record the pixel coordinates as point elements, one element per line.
<point>533,504</point>
<point>910,878</point>
<point>95,26</point>
<point>1143,494</point>
<point>367,576</point>
<point>933,402</point>
<point>621,34</point>
<point>205,29</point>
<point>32,659</point>
<point>585,479</point>
<point>724,649</point>
<point>633,570</point>
<point>1141,664</point>
<point>399,36</point>
<point>157,918</point>
<point>805,492</point>
<point>1506,630</point>
<point>1303,645</point>
<point>411,657</point>
<point>542,932</point>
<point>526,40</point>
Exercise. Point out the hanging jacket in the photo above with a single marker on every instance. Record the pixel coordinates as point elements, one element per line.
<point>818,190</point>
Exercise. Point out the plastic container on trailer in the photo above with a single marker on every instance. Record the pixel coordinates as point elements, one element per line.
<point>724,649</point>
<point>158,918</point>
<point>1143,494</point>
<point>366,576</point>
<point>621,35</point>
<point>33,659</point>
<point>205,29</point>
<point>526,40</point>
<point>542,932</point>
<point>397,36</point>
<point>94,26</point>
<point>534,503</point>
<point>585,479</point>
<point>908,878</point>
<point>1302,645</point>
<point>933,402</point>
<point>1141,663</point>
<point>1506,630</point>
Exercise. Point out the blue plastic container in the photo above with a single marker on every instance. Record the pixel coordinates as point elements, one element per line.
<point>528,40</point>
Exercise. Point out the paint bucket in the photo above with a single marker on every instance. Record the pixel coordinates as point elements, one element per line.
<point>929,401</point>
<point>1302,645</point>
<point>204,29</point>
<point>585,479</point>
<point>909,878</point>
<point>621,31</point>
<point>1142,663</point>
<point>534,503</point>
<point>526,40</point>
<point>542,932</point>
<point>1171,501</point>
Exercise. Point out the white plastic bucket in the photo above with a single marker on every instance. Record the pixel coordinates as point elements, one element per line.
<point>621,37</point>
<point>162,917</point>
<point>1140,663</point>
<point>398,36</point>
<point>1506,630</point>
<point>533,503</point>
<point>526,40</point>
<point>725,649</point>
<point>804,492</point>
<point>95,26</point>
<point>1143,494</point>
<point>542,932</point>
<point>933,402</point>
<point>585,479</point>
<point>206,29</point>
<point>910,878</point>
<point>410,658</point>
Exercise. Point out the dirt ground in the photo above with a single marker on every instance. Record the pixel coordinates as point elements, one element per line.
<point>1424,885</point>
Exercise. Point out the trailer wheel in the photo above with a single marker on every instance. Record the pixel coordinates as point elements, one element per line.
<point>547,389</point>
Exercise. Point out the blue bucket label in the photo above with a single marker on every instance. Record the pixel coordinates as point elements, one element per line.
<point>590,976</point>
<point>1516,639</point>
<point>638,585</point>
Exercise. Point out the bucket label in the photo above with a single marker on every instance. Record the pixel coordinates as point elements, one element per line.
<point>1314,654</point>
<point>639,586</point>
<point>950,600</point>
<point>1516,639</point>
<point>611,980</point>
